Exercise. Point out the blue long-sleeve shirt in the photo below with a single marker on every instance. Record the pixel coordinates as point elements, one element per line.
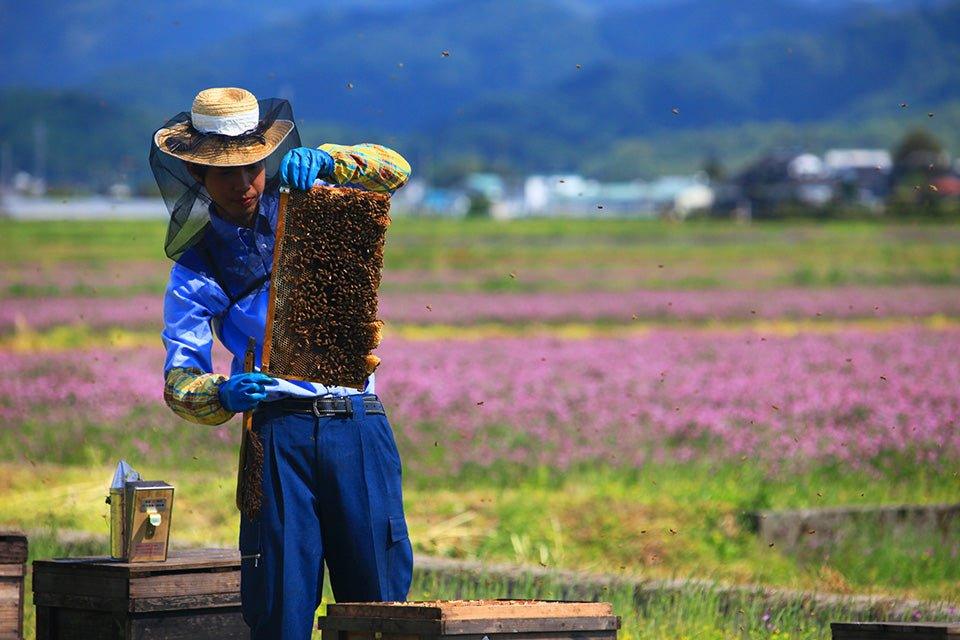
<point>221,287</point>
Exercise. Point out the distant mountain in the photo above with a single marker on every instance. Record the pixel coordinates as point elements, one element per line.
<point>88,139</point>
<point>862,68</point>
<point>54,44</point>
<point>369,67</point>
<point>539,84</point>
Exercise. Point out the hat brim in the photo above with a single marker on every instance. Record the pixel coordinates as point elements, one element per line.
<point>220,151</point>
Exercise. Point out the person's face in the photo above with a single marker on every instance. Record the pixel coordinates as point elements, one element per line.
<point>236,190</point>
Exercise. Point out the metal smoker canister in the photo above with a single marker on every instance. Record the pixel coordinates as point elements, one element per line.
<point>118,543</point>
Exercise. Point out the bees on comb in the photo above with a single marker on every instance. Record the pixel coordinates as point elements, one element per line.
<point>323,322</point>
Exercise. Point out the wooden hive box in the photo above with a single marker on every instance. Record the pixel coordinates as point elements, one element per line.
<point>195,594</point>
<point>470,620</point>
<point>894,630</point>
<point>13,568</point>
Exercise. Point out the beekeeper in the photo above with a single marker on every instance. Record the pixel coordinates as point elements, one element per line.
<point>331,470</point>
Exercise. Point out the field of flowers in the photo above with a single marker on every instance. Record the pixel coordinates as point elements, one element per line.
<point>608,396</point>
<point>458,308</point>
<point>851,397</point>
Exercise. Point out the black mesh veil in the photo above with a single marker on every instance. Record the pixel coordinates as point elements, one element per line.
<point>185,198</point>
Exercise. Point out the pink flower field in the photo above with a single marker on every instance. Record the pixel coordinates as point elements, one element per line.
<point>852,397</point>
<point>145,310</point>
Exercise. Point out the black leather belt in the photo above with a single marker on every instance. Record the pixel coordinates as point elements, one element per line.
<point>323,406</point>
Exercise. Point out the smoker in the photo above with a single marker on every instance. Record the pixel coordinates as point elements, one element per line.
<point>140,512</point>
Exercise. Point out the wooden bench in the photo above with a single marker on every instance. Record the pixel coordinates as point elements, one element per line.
<point>13,568</point>
<point>470,620</point>
<point>195,594</point>
<point>895,630</point>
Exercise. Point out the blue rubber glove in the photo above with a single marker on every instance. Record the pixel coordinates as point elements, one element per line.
<point>301,166</point>
<point>244,391</point>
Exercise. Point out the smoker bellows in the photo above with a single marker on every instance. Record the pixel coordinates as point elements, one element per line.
<point>322,321</point>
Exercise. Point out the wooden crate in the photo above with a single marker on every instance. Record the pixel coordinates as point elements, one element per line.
<point>470,620</point>
<point>894,630</point>
<point>13,567</point>
<point>195,594</point>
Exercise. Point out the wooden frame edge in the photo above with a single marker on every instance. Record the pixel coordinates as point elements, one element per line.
<point>278,243</point>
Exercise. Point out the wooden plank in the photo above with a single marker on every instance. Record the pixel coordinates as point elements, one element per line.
<point>362,635</point>
<point>401,626</point>
<point>414,611</point>
<point>901,627</point>
<point>571,635</point>
<point>911,631</point>
<point>11,602</point>
<point>203,624</point>
<point>217,624</point>
<point>10,588</point>
<point>43,623</point>
<point>575,635</point>
<point>177,560</point>
<point>185,584</point>
<point>11,616</point>
<point>87,602</point>
<point>529,625</point>
<point>13,547</point>
<point>472,609</point>
<point>141,605</point>
<point>96,585</point>
<point>424,611</point>
<point>891,635</point>
<point>70,624</point>
<point>172,603</point>
<point>13,570</point>
<point>155,593</point>
<point>68,571</point>
<point>529,609</point>
<point>411,626</point>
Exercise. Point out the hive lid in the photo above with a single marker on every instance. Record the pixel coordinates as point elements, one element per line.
<point>472,609</point>
<point>905,630</point>
<point>178,560</point>
<point>470,617</point>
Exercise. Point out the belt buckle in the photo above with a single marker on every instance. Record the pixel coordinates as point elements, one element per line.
<point>316,406</point>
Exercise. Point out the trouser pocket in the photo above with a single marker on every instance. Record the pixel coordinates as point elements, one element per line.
<point>252,575</point>
<point>399,552</point>
<point>399,560</point>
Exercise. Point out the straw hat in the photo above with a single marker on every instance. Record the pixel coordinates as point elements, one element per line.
<point>231,113</point>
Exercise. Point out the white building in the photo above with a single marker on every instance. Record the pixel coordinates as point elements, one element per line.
<point>21,207</point>
<point>574,195</point>
<point>840,160</point>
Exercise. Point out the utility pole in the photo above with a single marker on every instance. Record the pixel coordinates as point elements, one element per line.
<point>6,166</point>
<point>40,155</point>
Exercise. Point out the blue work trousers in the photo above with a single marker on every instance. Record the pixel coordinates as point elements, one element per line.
<point>331,492</point>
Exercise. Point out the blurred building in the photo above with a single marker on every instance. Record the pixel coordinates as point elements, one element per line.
<point>784,177</point>
<point>491,195</point>
<point>445,202</point>
<point>22,207</point>
<point>574,195</point>
<point>852,176</point>
<point>862,175</point>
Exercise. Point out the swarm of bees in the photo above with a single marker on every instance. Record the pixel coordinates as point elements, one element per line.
<point>325,282</point>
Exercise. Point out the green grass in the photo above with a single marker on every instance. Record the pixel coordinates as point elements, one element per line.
<point>659,521</point>
<point>898,558</point>
<point>701,254</point>
<point>691,612</point>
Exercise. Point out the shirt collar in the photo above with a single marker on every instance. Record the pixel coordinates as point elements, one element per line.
<point>228,230</point>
